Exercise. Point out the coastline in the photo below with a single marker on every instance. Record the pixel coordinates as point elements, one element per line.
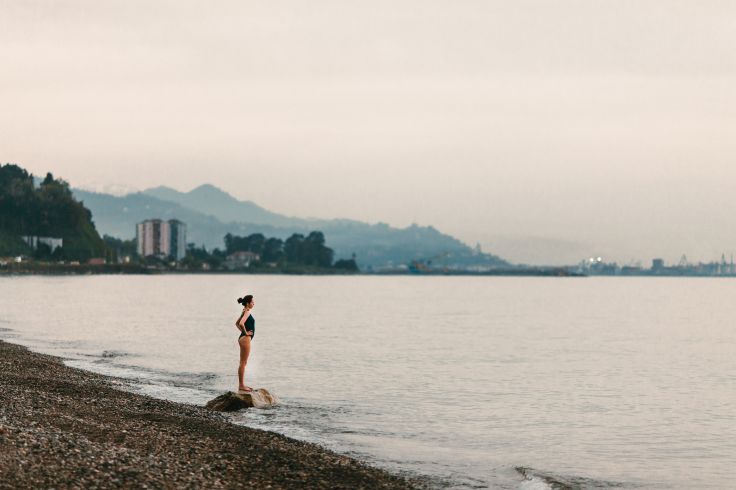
<point>63,427</point>
<point>118,269</point>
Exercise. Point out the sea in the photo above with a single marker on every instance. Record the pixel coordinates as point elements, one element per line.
<point>467,382</point>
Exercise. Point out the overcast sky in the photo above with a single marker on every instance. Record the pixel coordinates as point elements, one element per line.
<point>545,130</point>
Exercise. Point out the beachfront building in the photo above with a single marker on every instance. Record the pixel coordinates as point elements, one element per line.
<point>161,238</point>
<point>51,242</point>
<point>241,260</point>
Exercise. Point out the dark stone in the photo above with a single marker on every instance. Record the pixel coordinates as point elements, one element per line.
<point>231,401</point>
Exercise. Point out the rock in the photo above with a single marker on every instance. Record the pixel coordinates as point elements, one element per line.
<point>231,401</point>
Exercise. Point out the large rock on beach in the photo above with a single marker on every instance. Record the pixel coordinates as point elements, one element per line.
<point>231,401</point>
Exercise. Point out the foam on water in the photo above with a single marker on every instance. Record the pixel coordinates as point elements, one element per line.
<point>535,479</point>
<point>535,483</point>
<point>178,387</point>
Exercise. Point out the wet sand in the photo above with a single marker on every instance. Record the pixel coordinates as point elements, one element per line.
<point>62,427</point>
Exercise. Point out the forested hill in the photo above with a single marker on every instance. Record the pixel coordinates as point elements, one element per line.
<point>48,210</point>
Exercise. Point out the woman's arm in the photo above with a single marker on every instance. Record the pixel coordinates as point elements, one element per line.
<point>238,322</point>
<point>241,321</point>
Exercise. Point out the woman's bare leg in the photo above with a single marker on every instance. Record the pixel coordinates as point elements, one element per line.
<point>244,343</point>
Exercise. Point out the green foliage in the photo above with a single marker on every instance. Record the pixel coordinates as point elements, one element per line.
<point>196,257</point>
<point>12,244</point>
<point>120,248</point>
<point>309,250</point>
<point>273,251</point>
<point>251,243</point>
<point>346,265</point>
<point>269,249</point>
<point>296,250</point>
<point>49,210</point>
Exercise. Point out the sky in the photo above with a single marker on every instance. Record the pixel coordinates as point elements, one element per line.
<point>547,131</point>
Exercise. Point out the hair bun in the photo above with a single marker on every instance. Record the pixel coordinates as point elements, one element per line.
<point>245,300</point>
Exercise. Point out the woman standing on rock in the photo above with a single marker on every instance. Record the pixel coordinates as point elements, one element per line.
<point>247,326</point>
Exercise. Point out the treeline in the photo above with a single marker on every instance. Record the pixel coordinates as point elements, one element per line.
<point>296,251</point>
<point>119,249</point>
<point>48,210</point>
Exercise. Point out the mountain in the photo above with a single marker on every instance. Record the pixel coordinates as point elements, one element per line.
<point>208,199</point>
<point>118,216</point>
<point>211,213</point>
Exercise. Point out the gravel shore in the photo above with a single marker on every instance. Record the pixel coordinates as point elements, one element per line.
<point>62,427</point>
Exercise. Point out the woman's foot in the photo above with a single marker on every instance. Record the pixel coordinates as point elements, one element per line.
<point>245,389</point>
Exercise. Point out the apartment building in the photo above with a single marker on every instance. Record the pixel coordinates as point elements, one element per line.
<point>162,238</point>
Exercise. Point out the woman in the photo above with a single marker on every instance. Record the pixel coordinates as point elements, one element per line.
<point>247,326</point>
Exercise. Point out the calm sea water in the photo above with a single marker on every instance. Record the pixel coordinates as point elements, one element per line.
<point>474,381</point>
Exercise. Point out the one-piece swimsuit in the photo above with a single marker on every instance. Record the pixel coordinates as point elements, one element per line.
<point>250,326</point>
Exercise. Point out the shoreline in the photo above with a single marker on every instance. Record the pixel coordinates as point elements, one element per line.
<point>116,269</point>
<point>64,427</point>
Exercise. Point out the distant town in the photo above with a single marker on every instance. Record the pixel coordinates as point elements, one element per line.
<point>597,266</point>
<point>161,245</point>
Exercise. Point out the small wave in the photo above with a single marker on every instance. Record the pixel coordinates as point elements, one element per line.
<point>110,354</point>
<point>8,333</point>
<point>113,360</point>
<point>152,382</point>
<point>538,480</point>
<point>73,345</point>
<point>532,482</point>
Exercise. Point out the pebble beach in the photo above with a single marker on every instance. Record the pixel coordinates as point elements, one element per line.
<point>62,427</point>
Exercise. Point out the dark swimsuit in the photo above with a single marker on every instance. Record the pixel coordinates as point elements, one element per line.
<point>250,326</point>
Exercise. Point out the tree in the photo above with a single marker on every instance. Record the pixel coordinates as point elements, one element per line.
<point>42,252</point>
<point>308,251</point>
<point>273,250</point>
<point>252,243</point>
<point>229,243</point>
<point>120,248</point>
<point>346,265</point>
<point>293,248</point>
<point>316,253</point>
<point>49,210</point>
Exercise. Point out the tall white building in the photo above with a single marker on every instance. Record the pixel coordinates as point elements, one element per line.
<point>177,239</point>
<point>162,238</point>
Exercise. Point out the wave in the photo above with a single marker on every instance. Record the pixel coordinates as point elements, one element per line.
<point>110,354</point>
<point>539,480</point>
<point>112,359</point>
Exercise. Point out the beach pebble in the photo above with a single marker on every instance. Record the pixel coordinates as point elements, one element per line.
<point>58,439</point>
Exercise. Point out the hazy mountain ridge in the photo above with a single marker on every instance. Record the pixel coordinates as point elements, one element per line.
<point>208,199</point>
<point>117,216</point>
<point>212,219</point>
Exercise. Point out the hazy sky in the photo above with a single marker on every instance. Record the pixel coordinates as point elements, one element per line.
<point>545,130</point>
